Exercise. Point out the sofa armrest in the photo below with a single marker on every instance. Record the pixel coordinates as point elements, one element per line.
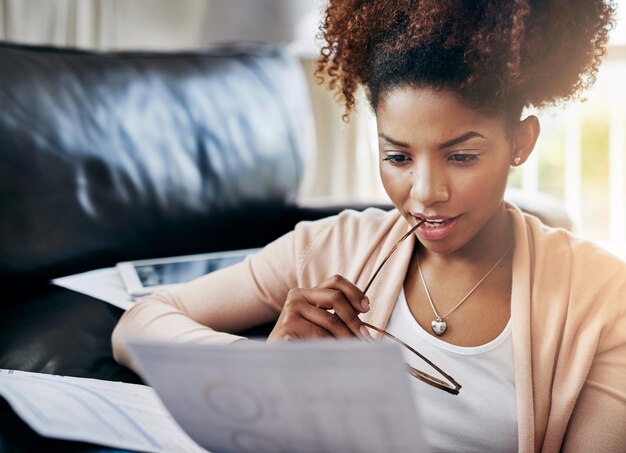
<point>547,208</point>
<point>63,332</point>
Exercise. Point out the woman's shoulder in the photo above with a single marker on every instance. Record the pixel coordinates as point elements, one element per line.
<point>351,224</point>
<point>592,276</point>
<point>347,235</point>
<point>585,279</point>
<point>559,241</point>
<point>556,241</point>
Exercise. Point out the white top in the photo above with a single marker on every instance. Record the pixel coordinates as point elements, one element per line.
<point>483,417</point>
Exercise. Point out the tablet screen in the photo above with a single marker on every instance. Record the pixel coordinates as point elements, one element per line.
<point>184,271</point>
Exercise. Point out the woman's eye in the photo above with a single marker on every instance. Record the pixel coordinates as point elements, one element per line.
<point>396,158</point>
<point>463,158</point>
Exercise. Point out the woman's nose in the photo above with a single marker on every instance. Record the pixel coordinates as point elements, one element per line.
<point>429,183</point>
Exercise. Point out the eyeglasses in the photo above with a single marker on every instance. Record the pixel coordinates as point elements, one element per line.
<point>451,386</point>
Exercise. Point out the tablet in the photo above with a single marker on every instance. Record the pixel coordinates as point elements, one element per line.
<point>143,277</point>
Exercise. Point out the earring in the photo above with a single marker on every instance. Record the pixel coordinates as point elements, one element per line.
<point>517,161</point>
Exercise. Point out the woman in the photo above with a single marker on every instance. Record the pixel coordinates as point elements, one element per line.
<point>531,320</point>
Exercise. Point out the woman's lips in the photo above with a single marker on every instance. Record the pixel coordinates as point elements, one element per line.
<point>436,230</point>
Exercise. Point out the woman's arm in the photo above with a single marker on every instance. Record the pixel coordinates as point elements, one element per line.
<point>210,309</point>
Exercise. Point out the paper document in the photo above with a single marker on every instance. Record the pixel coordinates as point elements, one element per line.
<point>104,284</point>
<point>339,396</point>
<point>115,414</point>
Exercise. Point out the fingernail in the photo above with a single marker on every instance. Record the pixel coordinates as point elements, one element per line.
<point>365,305</point>
<point>364,332</point>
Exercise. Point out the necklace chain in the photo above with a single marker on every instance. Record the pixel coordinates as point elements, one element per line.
<point>430,299</point>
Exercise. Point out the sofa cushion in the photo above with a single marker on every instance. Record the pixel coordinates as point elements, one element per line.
<point>112,156</point>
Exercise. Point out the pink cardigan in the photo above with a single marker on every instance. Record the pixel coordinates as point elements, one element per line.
<point>568,313</point>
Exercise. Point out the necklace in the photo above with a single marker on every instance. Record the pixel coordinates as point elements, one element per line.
<point>438,325</point>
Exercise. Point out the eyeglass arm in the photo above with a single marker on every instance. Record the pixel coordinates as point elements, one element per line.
<point>454,388</point>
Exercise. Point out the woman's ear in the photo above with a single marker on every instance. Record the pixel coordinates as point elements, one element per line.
<point>524,138</point>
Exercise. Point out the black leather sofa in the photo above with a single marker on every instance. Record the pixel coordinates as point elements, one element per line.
<point>107,157</point>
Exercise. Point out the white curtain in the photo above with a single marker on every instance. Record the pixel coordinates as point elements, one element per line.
<point>104,24</point>
<point>344,164</point>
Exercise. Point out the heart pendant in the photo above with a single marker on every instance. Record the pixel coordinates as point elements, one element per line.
<point>439,326</point>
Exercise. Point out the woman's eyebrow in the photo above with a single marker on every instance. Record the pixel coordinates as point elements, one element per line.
<point>447,144</point>
<point>393,142</point>
<point>461,139</point>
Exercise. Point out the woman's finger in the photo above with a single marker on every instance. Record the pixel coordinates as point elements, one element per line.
<point>292,325</point>
<point>335,300</point>
<point>331,322</point>
<point>354,295</point>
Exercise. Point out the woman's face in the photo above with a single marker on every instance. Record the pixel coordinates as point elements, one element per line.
<point>445,162</point>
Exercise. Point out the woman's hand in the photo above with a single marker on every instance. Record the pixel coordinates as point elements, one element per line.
<point>306,312</point>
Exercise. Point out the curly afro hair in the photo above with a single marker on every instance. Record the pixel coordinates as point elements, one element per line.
<point>499,56</point>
